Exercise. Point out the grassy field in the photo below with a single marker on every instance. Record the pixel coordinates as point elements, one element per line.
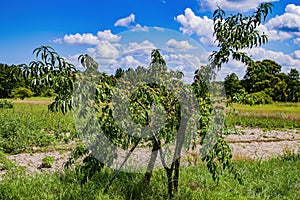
<point>270,116</point>
<point>278,178</point>
<point>29,124</point>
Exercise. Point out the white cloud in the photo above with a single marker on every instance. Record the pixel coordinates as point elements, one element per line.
<point>285,60</point>
<point>73,59</point>
<point>297,41</point>
<point>288,22</point>
<point>133,46</point>
<point>232,5</point>
<point>258,54</point>
<point>125,21</point>
<point>86,38</point>
<point>130,62</point>
<point>105,50</point>
<point>292,8</point>
<point>274,34</point>
<point>175,45</point>
<point>192,24</point>
<point>106,35</point>
<point>139,27</point>
<point>297,54</point>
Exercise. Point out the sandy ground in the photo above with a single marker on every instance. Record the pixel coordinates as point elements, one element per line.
<point>255,144</point>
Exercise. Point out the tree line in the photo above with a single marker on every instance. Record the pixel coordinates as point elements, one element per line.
<point>263,83</point>
<point>14,85</point>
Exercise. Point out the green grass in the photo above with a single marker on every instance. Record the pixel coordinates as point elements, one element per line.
<point>278,178</point>
<point>287,111</point>
<point>270,116</point>
<point>263,123</point>
<point>32,125</point>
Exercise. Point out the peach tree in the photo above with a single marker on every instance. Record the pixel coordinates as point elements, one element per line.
<point>160,111</point>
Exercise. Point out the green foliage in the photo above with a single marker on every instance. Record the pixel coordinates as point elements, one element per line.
<point>22,93</point>
<point>233,34</point>
<point>89,166</point>
<point>238,32</point>
<point>263,83</point>
<point>6,104</point>
<point>293,86</point>
<point>52,71</point>
<point>10,78</point>
<point>232,85</point>
<point>251,99</point>
<point>48,161</point>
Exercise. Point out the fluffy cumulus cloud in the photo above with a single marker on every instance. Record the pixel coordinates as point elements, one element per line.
<point>231,5</point>
<point>285,60</point>
<point>106,35</point>
<point>174,45</point>
<point>106,50</point>
<point>125,21</point>
<point>134,46</point>
<point>129,62</point>
<point>288,23</point>
<point>274,34</point>
<point>201,26</point>
<point>86,39</point>
<point>297,54</point>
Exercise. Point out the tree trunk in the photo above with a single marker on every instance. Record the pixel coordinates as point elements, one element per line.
<point>151,163</point>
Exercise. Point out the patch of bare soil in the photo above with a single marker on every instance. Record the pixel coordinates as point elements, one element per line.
<point>255,144</point>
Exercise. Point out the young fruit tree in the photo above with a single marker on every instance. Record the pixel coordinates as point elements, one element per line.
<point>157,110</point>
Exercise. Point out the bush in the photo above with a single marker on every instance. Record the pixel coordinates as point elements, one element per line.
<point>21,93</point>
<point>252,99</point>
<point>259,98</point>
<point>6,104</point>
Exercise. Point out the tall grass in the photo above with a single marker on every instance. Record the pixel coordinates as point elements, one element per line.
<point>277,178</point>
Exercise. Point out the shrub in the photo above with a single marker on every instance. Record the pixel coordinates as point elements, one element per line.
<point>252,99</point>
<point>6,104</point>
<point>22,93</point>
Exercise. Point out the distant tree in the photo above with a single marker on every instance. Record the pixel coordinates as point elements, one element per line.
<point>293,86</point>
<point>294,75</point>
<point>261,75</point>
<point>10,78</point>
<point>119,73</point>
<point>232,84</point>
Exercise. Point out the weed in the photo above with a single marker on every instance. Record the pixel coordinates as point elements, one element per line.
<point>48,161</point>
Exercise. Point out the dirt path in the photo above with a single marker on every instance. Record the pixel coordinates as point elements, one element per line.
<point>254,144</point>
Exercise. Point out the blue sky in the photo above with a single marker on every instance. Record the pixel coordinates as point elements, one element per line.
<point>107,30</point>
